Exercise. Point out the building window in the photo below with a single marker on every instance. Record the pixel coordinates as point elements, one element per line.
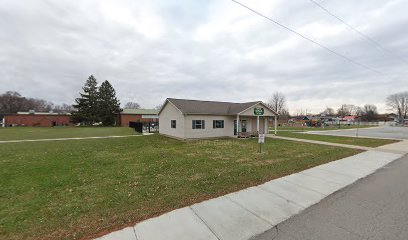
<point>218,123</point>
<point>173,123</point>
<point>198,124</point>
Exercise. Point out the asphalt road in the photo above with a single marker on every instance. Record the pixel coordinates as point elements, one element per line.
<point>375,207</point>
<point>381,132</point>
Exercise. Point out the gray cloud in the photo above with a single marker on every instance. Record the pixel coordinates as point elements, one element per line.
<point>214,50</point>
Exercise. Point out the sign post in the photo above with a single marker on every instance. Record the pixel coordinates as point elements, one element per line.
<point>261,140</point>
<point>358,125</point>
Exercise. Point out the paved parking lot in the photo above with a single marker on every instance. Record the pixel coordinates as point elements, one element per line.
<point>375,132</point>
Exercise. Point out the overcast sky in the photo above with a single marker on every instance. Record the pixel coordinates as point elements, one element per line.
<point>211,50</point>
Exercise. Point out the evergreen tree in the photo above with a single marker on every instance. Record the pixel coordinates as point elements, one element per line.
<point>87,104</point>
<point>108,105</point>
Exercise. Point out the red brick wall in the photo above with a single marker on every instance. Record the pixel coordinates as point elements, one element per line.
<point>38,120</point>
<point>126,118</point>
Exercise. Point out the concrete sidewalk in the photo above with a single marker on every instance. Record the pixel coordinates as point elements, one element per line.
<point>66,139</point>
<point>399,147</point>
<point>252,211</point>
<point>321,142</point>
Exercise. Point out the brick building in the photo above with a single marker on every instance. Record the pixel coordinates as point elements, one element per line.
<point>145,116</point>
<point>37,119</point>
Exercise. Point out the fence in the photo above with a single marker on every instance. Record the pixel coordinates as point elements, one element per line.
<point>379,123</point>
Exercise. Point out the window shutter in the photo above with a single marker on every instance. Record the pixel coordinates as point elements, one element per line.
<point>203,124</point>
<point>222,123</point>
<point>213,123</point>
<point>193,124</point>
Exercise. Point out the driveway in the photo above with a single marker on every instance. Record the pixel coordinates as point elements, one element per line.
<point>375,207</point>
<point>375,132</point>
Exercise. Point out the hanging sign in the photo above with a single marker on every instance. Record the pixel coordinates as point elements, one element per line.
<point>259,111</point>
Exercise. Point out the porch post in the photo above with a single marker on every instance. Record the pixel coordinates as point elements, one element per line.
<point>257,124</point>
<point>266,125</point>
<point>276,124</point>
<point>237,125</point>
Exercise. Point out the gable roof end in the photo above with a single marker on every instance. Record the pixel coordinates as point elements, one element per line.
<point>164,105</point>
<point>263,104</point>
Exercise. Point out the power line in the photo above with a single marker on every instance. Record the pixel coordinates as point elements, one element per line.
<point>311,40</point>
<point>371,40</point>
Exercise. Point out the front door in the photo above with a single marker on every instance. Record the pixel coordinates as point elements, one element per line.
<point>243,125</point>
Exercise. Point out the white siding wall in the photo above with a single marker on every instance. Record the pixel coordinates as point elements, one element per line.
<point>169,113</point>
<point>209,131</point>
<point>184,128</point>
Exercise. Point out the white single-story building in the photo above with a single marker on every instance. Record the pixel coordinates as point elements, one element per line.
<point>189,119</point>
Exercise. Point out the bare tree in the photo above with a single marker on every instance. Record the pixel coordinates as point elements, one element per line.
<point>11,102</point>
<point>347,110</point>
<point>278,103</point>
<point>63,108</point>
<point>358,111</point>
<point>158,107</point>
<point>369,113</point>
<point>39,105</point>
<point>328,112</point>
<point>302,112</point>
<point>132,105</point>
<point>398,103</point>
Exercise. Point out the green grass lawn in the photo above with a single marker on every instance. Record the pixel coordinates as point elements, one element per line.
<point>290,128</point>
<point>20,133</point>
<point>76,189</point>
<point>367,142</point>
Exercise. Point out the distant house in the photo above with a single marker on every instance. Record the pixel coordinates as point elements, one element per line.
<point>139,115</point>
<point>37,119</point>
<point>189,119</point>
<point>298,119</point>
<point>312,121</point>
<point>393,117</point>
<point>349,118</point>
<point>307,118</point>
<point>329,119</point>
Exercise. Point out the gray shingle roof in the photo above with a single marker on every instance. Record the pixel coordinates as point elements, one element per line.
<point>140,111</point>
<point>210,107</point>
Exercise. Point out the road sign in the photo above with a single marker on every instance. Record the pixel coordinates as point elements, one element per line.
<point>261,138</point>
<point>259,111</point>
